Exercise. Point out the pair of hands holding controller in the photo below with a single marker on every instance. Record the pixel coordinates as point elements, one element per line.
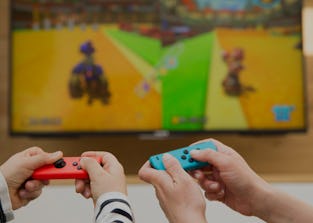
<point>19,168</point>
<point>229,179</point>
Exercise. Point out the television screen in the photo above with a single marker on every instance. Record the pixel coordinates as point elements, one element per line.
<point>100,66</point>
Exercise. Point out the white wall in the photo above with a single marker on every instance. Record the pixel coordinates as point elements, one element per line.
<point>308,31</point>
<point>61,204</point>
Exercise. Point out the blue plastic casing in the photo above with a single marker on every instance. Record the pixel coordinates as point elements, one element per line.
<point>183,156</point>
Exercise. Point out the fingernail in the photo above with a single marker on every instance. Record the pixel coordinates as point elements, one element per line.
<point>84,158</point>
<point>194,152</point>
<point>167,156</point>
<point>55,154</point>
<point>87,193</point>
<point>22,193</point>
<point>221,193</point>
<point>197,175</point>
<point>213,186</point>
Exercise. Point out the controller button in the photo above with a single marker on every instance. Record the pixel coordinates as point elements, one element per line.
<point>184,157</point>
<point>60,163</point>
<point>186,151</point>
<point>191,160</point>
<point>75,163</point>
<point>79,167</point>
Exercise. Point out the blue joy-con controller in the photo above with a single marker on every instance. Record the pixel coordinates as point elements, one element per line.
<point>183,156</point>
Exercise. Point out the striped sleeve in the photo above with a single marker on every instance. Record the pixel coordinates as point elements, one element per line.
<point>6,212</point>
<point>113,207</point>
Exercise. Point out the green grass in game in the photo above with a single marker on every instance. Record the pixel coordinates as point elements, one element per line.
<point>183,69</point>
<point>148,49</point>
<point>184,88</point>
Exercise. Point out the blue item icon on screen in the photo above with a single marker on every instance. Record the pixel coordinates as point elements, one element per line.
<point>283,112</point>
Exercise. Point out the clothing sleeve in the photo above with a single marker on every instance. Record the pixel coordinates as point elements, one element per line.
<point>113,207</point>
<point>6,212</point>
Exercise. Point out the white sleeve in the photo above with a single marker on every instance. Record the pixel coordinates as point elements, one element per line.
<point>6,212</point>
<point>113,207</point>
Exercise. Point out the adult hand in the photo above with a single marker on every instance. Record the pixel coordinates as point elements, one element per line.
<point>18,169</point>
<point>179,195</point>
<point>229,179</point>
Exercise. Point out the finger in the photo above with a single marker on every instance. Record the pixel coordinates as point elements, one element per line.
<point>83,187</point>
<point>207,169</point>
<point>109,161</point>
<point>217,159</point>
<point>202,177</point>
<point>199,154</point>
<point>147,173</point>
<point>174,168</point>
<point>206,179</point>
<point>217,143</point>
<point>79,186</point>
<point>111,164</point>
<point>215,196</point>
<point>29,195</point>
<point>87,192</point>
<point>45,182</point>
<point>93,153</point>
<point>92,167</point>
<point>33,185</point>
<point>211,186</point>
<point>153,176</point>
<point>220,146</point>
<point>198,175</point>
<point>208,184</point>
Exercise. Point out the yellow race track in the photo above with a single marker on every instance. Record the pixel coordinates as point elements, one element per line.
<point>41,76</point>
<point>272,66</point>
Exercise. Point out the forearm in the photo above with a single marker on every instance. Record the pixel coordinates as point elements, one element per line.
<point>279,207</point>
<point>188,219</point>
<point>185,217</point>
<point>113,207</point>
<point>6,212</point>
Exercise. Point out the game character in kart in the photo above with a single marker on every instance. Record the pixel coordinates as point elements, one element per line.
<point>231,83</point>
<point>89,78</point>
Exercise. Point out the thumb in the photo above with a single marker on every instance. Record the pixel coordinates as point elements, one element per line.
<point>173,167</point>
<point>92,167</point>
<point>41,159</point>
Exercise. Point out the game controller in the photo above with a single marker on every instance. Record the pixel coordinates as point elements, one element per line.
<point>65,168</point>
<point>183,156</point>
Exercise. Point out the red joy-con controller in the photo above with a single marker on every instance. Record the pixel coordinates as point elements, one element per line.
<point>65,168</point>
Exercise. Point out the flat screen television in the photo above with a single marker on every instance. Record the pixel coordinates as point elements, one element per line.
<point>139,66</point>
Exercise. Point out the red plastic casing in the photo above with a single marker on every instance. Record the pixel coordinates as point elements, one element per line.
<point>69,171</point>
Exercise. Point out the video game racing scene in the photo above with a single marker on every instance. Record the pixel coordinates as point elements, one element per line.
<point>145,65</point>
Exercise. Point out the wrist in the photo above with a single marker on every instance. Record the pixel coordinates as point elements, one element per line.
<point>186,216</point>
<point>262,201</point>
<point>111,195</point>
<point>190,218</point>
<point>5,199</point>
